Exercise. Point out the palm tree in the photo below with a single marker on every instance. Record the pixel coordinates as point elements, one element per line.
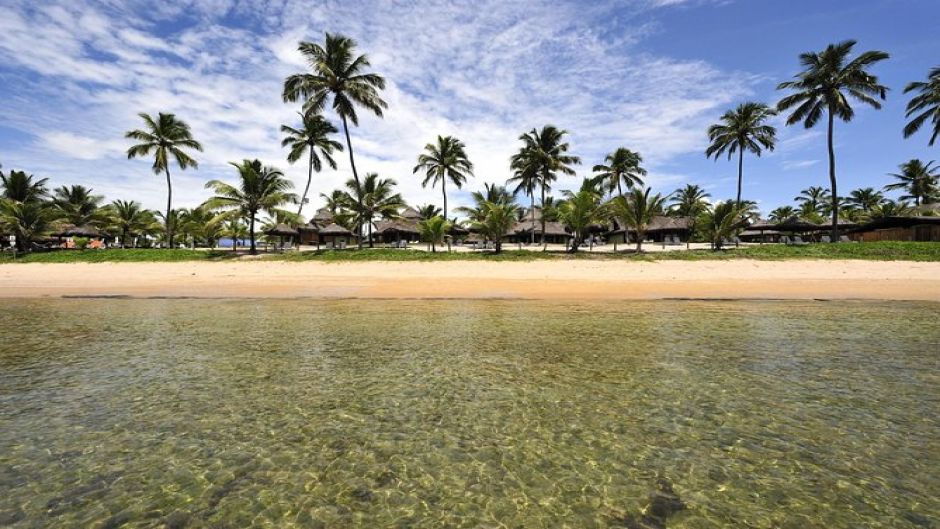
<point>492,193</point>
<point>234,228</point>
<point>829,79</point>
<point>742,129</point>
<point>202,225</point>
<point>260,188</point>
<point>782,213</point>
<point>434,230</point>
<point>623,168</point>
<point>129,217</point>
<point>526,179</point>
<point>338,72</point>
<point>690,202</point>
<point>544,154</point>
<point>636,209</point>
<point>493,220</point>
<point>335,202</point>
<point>77,205</point>
<point>27,220</point>
<point>165,137</point>
<point>890,208</point>
<point>21,187</point>
<point>443,161</point>
<point>312,136</point>
<point>374,198</point>
<point>813,198</point>
<point>864,199</point>
<point>723,221</point>
<point>428,211</point>
<point>919,179</point>
<point>927,103</point>
<point>578,212</point>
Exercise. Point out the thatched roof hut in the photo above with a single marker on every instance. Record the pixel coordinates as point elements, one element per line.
<point>396,230</point>
<point>796,223</point>
<point>335,230</point>
<point>69,230</point>
<point>282,230</point>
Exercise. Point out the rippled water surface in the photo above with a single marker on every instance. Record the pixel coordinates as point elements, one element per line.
<point>297,413</point>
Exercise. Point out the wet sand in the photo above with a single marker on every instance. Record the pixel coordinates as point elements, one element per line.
<point>738,279</point>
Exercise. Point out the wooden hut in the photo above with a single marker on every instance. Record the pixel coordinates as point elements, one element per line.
<point>921,229</point>
<point>287,234</point>
<point>661,228</point>
<point>335,235</point>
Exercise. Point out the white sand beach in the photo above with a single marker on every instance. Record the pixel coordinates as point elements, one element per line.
<point>738,279</point>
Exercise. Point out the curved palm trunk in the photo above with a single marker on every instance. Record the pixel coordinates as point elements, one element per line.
<point>303,199</point>
<point>834,237</point>
<point>352,163</point>
<point>251,234</point>
<point>169,202</point>
<point>740,173</point>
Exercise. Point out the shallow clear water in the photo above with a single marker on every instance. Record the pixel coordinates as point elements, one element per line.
<point>298,413</point>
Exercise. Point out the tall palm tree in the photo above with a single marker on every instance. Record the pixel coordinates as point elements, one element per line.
<point>782,213</point>
<point>578,212</point>
<point>335,202</point>
<point>492,193</point>
<point>829,79</point>
<point>864,199</point>
<point>338,72</point>
<point>434,230</point>
<point>635,210</point>
<point>77,205</point>
<point>260,188</point>
<point>545,154</point>
<point>622,168</point>
<point>526,179</point>
<point>443,161</point>
<point>373,198</point>
<point>926,104</point>
<point>165,137</point>
<point>742,129</point>
<point>312,136</point>
<point>690,202</point>
<point>21,187</point>
<point>918,179</point>
<point>129,217</point>
<point>891,208</point>
<point>813,198</point>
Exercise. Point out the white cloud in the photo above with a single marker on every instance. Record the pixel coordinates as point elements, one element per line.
<point>485,72</point>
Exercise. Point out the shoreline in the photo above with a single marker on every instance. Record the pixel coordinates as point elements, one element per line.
<point>550,280</point>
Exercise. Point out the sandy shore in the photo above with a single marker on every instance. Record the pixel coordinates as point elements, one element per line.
<point>737,279</point>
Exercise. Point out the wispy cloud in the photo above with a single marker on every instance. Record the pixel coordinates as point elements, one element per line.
<point>80,71</point>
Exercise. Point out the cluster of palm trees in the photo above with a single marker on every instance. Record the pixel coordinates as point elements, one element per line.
<point>918,180</point>
<point>339,78</point>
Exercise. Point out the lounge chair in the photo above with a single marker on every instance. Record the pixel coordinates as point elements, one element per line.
<point>785,239</point>
<point>798,241</point>
<point>825,238</point>
<point>845,238</point>
<point>329,245</point>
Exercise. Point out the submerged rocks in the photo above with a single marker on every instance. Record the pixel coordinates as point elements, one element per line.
<point>663,503</point>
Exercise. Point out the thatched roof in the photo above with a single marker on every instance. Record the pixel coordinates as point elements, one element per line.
<point>69,230</point>
<point>409,213</point>
<point>335,229</point>
<point>322,217</point>
<point>896,222</point>
<point>399,225</point>
<point>762,224</point>
<point>796,223</point>
<point>932,208</point>
<point>282,230</point>
<point>661,223</point>
<point>551,228</point>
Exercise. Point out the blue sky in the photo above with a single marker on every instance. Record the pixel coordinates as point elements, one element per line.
<point>650,75</point>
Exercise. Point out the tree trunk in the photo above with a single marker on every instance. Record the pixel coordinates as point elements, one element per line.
<point>619,187</point>
<point>251,233</point>
<point>834,237</point>
<point>352,163</point>
<point>371,244</point>
<point>532,218</point>
<point>124,238</point>
<point>444,190</point>
<point>575,243</point>
<point>169,202</point>
<point>639,240</point>
<point>544,242</point>
<point>309,179</point>
<point>740,174</point>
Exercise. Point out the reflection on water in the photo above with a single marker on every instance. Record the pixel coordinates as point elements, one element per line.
<point>189,413</point>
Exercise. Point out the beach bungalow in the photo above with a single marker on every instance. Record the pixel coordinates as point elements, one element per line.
<point>404,228</point>
<point>309,232</point>
<point>285,233</point>
<point>531,223</point>
<point>661,229</point>
<point>336,236</point>
<point>921,229</point>
<point>761,230</point>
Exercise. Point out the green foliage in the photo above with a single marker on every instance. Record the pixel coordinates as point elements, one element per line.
<point>742,129</point>
<point>313,138</point>
<point>724,221</point>
<point>494,219</point>
<point>578,212</point>
<point>636,210</point>
<point>445,160</point>
<point>925,106</point>
<point>622,168</point>
<point>373,198</point>
<point>918,180</point>
<point>434,231</point>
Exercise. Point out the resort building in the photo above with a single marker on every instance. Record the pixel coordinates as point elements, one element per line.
<point>921,229</point>
<point>661,229</point>
<point>397,230</point>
